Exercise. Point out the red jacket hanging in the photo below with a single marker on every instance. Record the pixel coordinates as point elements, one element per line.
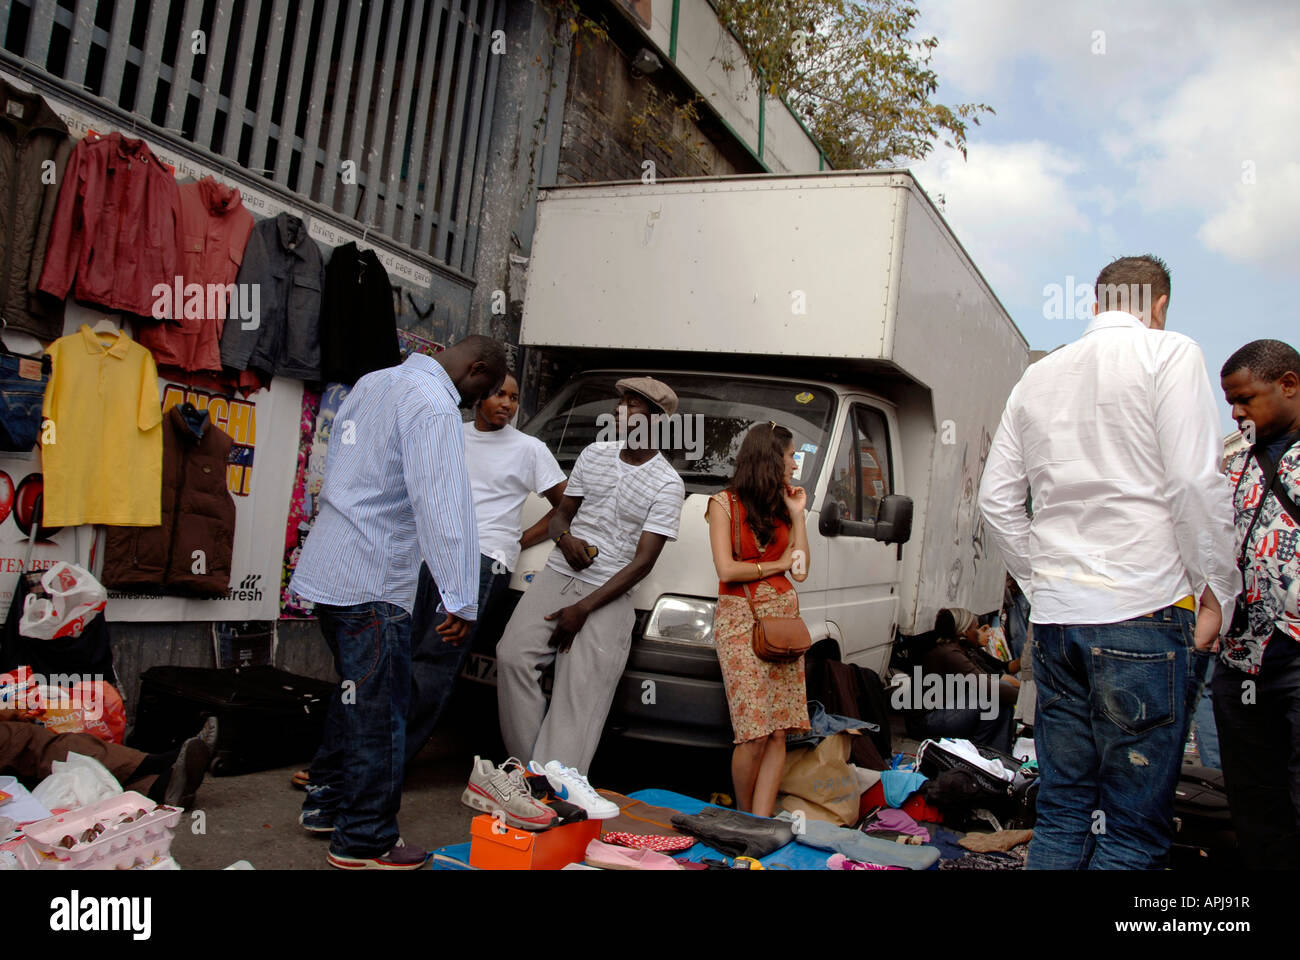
<point>116,228</point>
<point>214,231</point>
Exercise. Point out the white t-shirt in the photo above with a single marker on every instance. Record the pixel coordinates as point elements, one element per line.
<point>619,501</point>
<point>504,467</point>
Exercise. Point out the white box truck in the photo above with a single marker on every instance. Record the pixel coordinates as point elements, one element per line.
<point>839,305</point>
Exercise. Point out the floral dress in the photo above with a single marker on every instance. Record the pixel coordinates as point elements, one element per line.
<point>762,697</point>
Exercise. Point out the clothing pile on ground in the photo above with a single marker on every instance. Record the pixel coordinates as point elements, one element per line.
<point>910,816</point>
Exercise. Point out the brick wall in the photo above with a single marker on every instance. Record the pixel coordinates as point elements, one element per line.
<point>614,121</point>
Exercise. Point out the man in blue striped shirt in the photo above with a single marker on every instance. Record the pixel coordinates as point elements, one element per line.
<point>396,491</point>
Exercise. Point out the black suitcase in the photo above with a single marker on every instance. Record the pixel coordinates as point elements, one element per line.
<point>1013,802</point>
<point>1203,834</point>
<point>266,717</point>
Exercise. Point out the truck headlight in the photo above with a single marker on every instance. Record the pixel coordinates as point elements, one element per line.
<point>684,619</point>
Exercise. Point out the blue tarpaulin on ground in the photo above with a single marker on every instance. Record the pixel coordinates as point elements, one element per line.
<point>793,856</point>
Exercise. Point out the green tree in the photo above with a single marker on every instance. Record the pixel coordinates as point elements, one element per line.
<point>851,70</point>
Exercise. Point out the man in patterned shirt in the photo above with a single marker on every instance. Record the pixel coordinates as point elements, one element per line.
<point>1257,702</point>
<point>625,500</point>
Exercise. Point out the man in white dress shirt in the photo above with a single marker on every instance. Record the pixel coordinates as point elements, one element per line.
<point>1117,438</point>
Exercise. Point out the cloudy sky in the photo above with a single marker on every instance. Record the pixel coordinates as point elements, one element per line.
<point>1163,126</point>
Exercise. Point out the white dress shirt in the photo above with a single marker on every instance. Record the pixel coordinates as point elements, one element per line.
<point>1116,438</point>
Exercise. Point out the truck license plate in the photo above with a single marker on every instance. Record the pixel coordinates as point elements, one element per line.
<point>480,668</point>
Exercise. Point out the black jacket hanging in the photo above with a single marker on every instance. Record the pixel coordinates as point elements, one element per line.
<point>358,331</point>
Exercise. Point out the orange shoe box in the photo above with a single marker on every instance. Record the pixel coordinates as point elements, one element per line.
<point>514,849</point>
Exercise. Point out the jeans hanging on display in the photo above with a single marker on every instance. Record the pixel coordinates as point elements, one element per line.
<point>22,391</point>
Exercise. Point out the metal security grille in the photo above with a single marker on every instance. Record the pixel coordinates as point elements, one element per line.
<point>377,109</point>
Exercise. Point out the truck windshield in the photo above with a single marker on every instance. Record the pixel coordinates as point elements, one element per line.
<point>716,412</point>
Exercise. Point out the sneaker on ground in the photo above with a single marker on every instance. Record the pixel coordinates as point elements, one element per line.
<point>572,786</point>
<point>539,786</point>
<point>191,764</point>
<point>315,821</point>
<point>403,856</point>
<point>492,788</point>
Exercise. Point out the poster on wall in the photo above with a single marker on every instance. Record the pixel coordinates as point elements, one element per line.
<point>20,485</point>
<point>317,417</point>
<point>318,410</point>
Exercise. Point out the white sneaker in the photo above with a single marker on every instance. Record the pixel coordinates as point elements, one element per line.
<point>572,786</point>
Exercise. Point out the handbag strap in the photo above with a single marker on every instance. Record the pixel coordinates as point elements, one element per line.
<point>1278,489</point>
<point>734,502</point>
<point>1270,484</point>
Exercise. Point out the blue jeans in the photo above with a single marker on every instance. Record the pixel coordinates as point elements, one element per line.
<point>823,725</point>
<point>1017,625</point>
<point>435,665</point>
<point>1207,734</point>
<point>1114,705</point>
<point>862,846</point>
<point>356,776</point>
<point>20,404</point>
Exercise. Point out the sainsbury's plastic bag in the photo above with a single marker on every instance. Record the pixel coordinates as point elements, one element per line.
<point>73,597</point>
<point>91,707</point>
<point>75,782</point>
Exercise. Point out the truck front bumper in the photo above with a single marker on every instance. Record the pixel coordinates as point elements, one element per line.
<point>669,692</point>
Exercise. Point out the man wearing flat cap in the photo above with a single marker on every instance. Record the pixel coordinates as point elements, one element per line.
<point>622,504</point>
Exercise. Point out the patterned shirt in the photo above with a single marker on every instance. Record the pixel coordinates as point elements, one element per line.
<point>395,490</point>
<point>1272,588</point>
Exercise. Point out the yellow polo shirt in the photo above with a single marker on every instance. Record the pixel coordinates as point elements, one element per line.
<point>101,442</point>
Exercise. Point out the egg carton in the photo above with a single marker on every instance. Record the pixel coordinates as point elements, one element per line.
<point>119,847</point>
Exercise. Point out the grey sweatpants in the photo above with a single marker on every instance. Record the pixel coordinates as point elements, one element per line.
<point>586,676</point>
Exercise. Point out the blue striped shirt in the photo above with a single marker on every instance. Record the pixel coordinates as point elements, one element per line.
<point>395,490</point>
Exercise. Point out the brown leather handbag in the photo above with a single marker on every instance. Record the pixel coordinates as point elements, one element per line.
<point>775,639</point>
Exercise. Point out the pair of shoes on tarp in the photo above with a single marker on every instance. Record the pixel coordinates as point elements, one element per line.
<point>535,797</point>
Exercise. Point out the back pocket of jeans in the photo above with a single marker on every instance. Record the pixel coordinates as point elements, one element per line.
<point>1135,691</point>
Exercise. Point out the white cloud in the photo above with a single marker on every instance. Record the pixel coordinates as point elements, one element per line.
<point>1225,145</point>
<point>1012,205</point>
<point>1183,96</point>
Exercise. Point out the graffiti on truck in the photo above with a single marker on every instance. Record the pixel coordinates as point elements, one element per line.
<point>969,536</point>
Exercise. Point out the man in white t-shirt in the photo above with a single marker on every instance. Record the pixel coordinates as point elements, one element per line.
<point>626,503</point>
<point>504,467</point>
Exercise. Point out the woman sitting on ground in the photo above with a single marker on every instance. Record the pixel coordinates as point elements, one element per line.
<point>959,653</point>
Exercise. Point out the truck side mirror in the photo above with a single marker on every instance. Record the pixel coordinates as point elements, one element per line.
<point>894,519</point>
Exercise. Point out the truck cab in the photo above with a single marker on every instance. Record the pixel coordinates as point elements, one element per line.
<point>844,438</point>
<point>840,306</point>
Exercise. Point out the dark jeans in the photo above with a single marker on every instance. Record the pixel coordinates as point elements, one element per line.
<point>1017,625</point>
<point>356,776</point>
<point>969,724</point>
<point>20,403</point>
<point>1114,705</point>
<point>1258,719</point>
<point>435,665</point>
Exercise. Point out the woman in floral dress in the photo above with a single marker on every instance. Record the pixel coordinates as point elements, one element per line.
<point>767,700</point>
